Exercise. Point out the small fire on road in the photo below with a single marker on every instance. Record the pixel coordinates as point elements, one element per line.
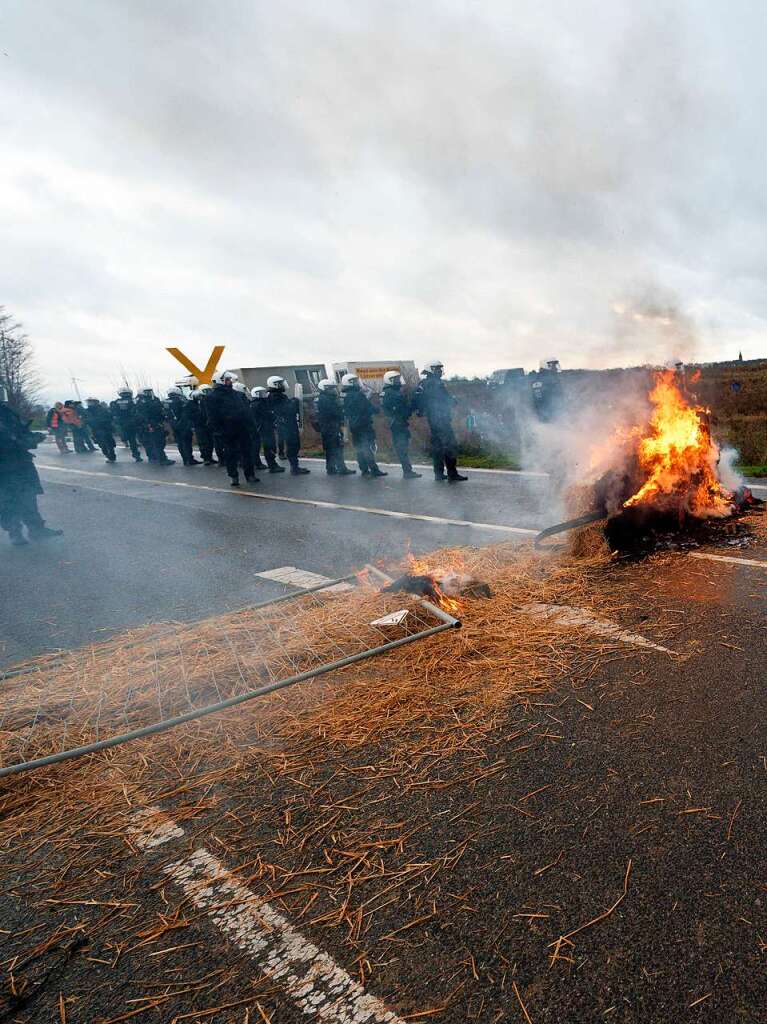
<point>443,586</point>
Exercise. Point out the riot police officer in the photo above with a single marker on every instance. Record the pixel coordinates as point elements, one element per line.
<point>260,426</point>
<point>229,419</point>
<point>202,431</point>
<point>126,415</point>
<point>19,480</point>
<point>330,423</point>
<point>359,412</point>
<point>98,419</point>
<point>436,403</point>
<point>150,415</point>
<point>285,413</point>
<point>399,407</point>
<point>181,417</point>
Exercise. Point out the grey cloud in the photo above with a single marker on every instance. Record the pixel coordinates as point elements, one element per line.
<point>349,179</point>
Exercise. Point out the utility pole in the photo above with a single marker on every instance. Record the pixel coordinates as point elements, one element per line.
<point>77,389</point>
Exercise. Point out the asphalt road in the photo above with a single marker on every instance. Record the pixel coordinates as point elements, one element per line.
<point>625,810</point>
<point>146,544</point>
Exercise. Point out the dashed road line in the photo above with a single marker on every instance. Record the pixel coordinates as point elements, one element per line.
<point>564,615</point>
<point>319,987</point>
<point>733,559</point>
<point>301,578</point>
<point>151,828</point>
<point>311,502</point>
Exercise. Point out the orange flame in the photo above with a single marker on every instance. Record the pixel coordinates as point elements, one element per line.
<point>679,457</point>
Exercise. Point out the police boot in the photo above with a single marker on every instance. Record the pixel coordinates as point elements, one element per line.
<point>410,474</point>
<point>453,475</point>
<point>252,479</point>
<point>17,537</point>
<point>43,532</point>
<point>299,471</point>
<point>274,468</point>
<point>234,481</point>
<point>345,470</point>
<point>375,471</point>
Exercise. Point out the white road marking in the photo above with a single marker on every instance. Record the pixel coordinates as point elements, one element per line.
<point>757,487</point>
<point>729,558</point>
<point>151,828</point>
<point>314,503</point>
<point>320,988</point>
<point>301,578</point>
<point>581,617</point>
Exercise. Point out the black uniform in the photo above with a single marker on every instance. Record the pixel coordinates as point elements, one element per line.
<point>284,412</point>
<point>399,407</point>
<point>359,412</point>
<point>202,431</point>
<point>19,480</point>
<point>228,415</point>
<point>83,430</point>
<point>330,423</point>
<point>98,419</point>
<point>150,414</point>
<point>436,403</point>
<point>126,416</point>
<point>181,415</point>
<point>261,429</point>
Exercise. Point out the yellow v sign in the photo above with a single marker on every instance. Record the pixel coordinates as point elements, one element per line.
<point>203,376</point>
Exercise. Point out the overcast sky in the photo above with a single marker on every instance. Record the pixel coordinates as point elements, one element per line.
<point>489,182</point>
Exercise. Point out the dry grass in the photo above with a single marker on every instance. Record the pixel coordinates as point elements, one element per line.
<point>344,800</point>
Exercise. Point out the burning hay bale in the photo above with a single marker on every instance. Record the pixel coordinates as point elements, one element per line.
<point>450,584</point>
<point>656,480</point>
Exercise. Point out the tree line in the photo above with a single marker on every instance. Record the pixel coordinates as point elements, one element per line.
<point>17,369</point>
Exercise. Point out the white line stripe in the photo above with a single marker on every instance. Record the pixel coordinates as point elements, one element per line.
<point>301,578</point>
<point>320,988</point>
<point>729,558</point>
<point>566,616</point>
<point>757,487</point>
<point>314,503</point>
<point>150,828</point>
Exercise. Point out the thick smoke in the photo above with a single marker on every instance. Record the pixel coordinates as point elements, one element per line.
<point>588,446</point>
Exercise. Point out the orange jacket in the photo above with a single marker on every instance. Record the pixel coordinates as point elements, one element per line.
<point>69,416</point>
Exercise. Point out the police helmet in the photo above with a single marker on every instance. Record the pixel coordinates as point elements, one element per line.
<point>174,392</point>
<point>327,385</point>
<point>147,392</point>
<point>258,392</point>
<point>393,377</point>
<point>434,365</point>
<point>89,401</point>
<point>240,387</point>
<point>349,381</point>
<point>276,383</point>
<point>125,393</point>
